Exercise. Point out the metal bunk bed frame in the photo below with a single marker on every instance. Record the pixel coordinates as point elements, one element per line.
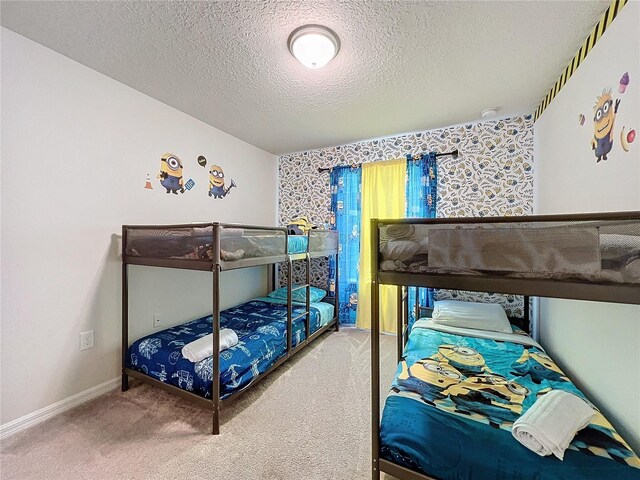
<point>216,267</point>
<point>603,292</point>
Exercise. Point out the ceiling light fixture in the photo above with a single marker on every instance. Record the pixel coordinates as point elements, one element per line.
<point>314,45</point>
<point>489,112</point>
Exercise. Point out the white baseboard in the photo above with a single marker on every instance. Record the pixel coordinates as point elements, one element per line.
<point>31,419</point>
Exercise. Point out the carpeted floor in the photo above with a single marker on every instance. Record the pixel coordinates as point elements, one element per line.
<point>308,420</point>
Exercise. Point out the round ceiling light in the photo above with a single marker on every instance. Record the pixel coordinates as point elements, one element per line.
<point>314,45</point>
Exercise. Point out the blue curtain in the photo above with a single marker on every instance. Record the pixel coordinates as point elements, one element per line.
<point>346,217</point>
<point>421,192</point>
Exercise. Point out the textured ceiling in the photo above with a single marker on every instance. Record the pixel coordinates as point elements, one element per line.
<point>404,66</point>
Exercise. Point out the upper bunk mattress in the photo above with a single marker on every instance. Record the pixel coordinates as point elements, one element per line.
<point>455,398</point>
<point>600,251</point>
<point>261,326</point>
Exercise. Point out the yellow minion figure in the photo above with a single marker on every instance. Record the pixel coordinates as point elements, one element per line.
<point>603,119</point>
<point>301,225</point>
<point>464,359</point>
<point>600,438</point>
<point>171,173</point>
<point>216,182</point>
<point>429,378</point>
<point>491,396</point>
<point>539,366</point>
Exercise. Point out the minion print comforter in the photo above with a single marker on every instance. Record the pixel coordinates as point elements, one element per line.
<point>261,326</point>
<point>455,398</point>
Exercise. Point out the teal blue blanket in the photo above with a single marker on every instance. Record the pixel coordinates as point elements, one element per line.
<point>455,398</point>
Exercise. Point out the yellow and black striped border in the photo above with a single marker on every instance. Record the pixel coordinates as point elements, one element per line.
<point>596,33</point>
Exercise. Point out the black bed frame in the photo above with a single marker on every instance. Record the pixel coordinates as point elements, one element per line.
<point>602,292</point>
<point>216,266</point>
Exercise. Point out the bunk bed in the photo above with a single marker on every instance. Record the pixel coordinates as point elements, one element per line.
<point>455,422</point>
<point>270,330</point>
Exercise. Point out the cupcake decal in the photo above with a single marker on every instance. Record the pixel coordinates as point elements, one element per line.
<point>624,81</point>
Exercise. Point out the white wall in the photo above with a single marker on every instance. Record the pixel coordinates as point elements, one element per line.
<point>76,149</point>
<point>597,344</point>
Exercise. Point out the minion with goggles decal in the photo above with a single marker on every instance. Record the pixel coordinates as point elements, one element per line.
<point>171,173</point>
<point>216,182</point>
<point>603,119</point>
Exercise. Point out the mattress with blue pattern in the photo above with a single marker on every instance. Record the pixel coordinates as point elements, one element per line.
<point>454,400</point>
<point>261,326</point>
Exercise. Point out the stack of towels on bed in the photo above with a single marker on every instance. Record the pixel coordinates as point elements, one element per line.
<point>203,347</point>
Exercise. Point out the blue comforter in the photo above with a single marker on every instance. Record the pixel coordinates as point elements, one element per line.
<point>455,398</point>
<point>261,328</point>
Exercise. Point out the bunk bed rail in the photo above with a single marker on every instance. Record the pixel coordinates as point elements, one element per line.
<point>590,257</point>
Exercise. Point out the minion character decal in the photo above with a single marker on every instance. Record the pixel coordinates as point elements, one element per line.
<point>216,183</point>
<point>171,173</point>
<point>604,116</point>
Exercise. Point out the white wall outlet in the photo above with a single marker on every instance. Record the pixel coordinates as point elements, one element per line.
<point>157,320</point>
<point>86,340</point>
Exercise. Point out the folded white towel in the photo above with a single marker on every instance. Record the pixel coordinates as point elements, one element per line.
<point>203,347</point>
<point>552,422</point>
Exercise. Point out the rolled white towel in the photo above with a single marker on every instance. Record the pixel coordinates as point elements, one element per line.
<point>551,423</point>
<point>203,347</point>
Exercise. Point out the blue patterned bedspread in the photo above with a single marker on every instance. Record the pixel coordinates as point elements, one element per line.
<point>455,398</point>
<point>261,328</point>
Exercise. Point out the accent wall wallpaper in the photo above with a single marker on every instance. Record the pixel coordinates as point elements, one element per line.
<point>493,176</point>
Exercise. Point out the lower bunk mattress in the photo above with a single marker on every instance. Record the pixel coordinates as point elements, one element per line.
<point>261,326</point>
<point>455,398</point>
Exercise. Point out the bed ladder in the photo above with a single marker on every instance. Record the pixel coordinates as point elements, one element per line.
<point>307,312</point>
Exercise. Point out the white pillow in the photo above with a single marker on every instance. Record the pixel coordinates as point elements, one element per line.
<point>481,316</point>
<point>402,250</point>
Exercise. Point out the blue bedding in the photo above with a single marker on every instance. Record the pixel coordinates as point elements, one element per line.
<point>455,398</point>
<point>297,243</point>
<point>261,328</point>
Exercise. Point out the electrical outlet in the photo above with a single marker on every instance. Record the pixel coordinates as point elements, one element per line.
<point>157,320</point>
<point>86,340</point>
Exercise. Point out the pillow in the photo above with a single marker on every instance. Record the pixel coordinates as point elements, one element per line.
<point>481,316</point>
<point>300,295</point>
<point>400,249</point>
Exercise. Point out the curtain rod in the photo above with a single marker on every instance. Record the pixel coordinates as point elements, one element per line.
<point>453,153</point>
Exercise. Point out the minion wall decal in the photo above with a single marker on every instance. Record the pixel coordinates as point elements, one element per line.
<point>171,173</point>
<point>604,116</point>
<point>216,183</point>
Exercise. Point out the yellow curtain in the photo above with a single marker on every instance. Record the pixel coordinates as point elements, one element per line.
<point>383,196</point>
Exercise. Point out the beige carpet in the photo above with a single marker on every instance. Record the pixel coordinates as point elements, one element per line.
<point>308,420</point>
